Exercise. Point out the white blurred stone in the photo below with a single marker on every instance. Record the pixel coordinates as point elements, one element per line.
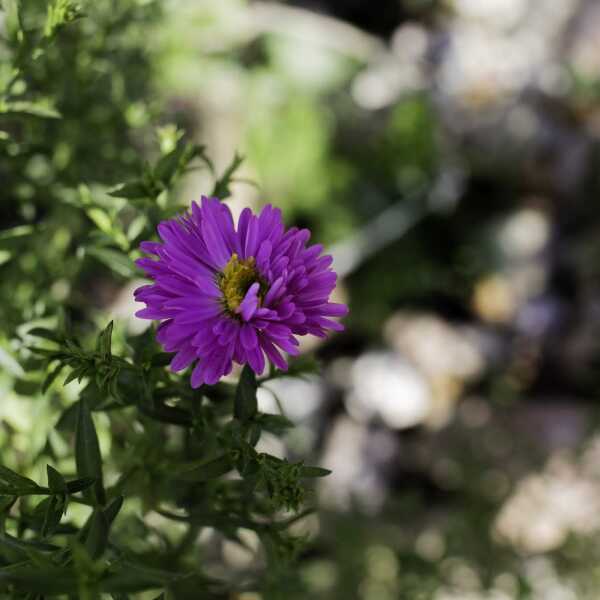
<point>299,397</point>
<point>241,556</point>
<point>546,507</point>
<point>524,234</point>
<point>584,52</point>
<point>409,41</point>
<point>434,345</point>
<point>383,82</point>
<point>385,385</point>
<point>496,49</point>
<point>494,13</point>
<point>352,477</point>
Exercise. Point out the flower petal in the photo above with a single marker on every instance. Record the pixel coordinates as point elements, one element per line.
<point>250,302</point>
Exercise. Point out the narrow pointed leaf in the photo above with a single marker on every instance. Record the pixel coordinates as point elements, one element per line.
<point>134,190</point>
<point>78,485</point>
<point>13,484</point>
<point>314,472</point>
<point>50,378</point>
<point>46,334</point>
<point>207,470</point>
<point>245,396</point>
<point>105,341</point>
<point>222,185</point>
<point>56,482</point>
<point>6,503</point>
<point>113,509</point>
<point>97,536</point>
<point>87,453</point>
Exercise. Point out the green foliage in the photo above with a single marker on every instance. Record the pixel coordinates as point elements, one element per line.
<point>137,463</point>
<point>220,425</point>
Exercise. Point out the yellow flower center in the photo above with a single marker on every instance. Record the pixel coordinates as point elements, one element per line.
<point>235,279</point>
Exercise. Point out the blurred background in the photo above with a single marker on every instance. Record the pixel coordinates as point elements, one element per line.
<point>447,153</point>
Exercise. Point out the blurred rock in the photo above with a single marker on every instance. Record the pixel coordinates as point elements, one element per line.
<point>446,355</point>
<point>387,387</point>
<point>546,507</point>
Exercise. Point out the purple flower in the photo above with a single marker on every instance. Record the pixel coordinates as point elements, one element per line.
<point>226,295</point>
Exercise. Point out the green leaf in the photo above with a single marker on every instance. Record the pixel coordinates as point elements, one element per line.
<point>97,535</point>
<point>136,227</point>
<point>51,377</point>
<point>174,162</point>
<point>26,387</point>
<point>42,108</point>
<point>162,359</point>
<point>78,485</point>
<point>14,28</point>
<point>207,470</point>
<point>56,482</point>
<point>314,472</point>
<point>136,578</point>
<point>245,406</point>
<point>60,13</point>
<point>8,541</point>
<point>105,341</point>
<point>101,219</point>
<point>276,424</point>
<point>13,484</point>
<point>52,508</point>
<point>222,185</point>
<point>6,503</point>
<point>16,232</point>
<point>87,453</point>
<point>254,434</point>
<point>5,255</point>
<point>17,550</point>
<point>113,509</point>
<point>114,259</point>
<point>76,373</point>
<point>134,190</point>
<point>168,414</point>
<point>49,354</point>
<point>10,364</point>
<point>28,577</point>
<point>299,366</point>
<point>110,514</point>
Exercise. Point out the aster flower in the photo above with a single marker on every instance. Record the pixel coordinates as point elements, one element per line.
<point>227,295</point>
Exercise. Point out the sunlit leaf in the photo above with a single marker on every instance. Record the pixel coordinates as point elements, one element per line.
<point>41,108</point>
<point>175,161</point>
<point>114,259</point>
<point>60,13</point>
<point>10,364</point>
<point>16,232</point>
